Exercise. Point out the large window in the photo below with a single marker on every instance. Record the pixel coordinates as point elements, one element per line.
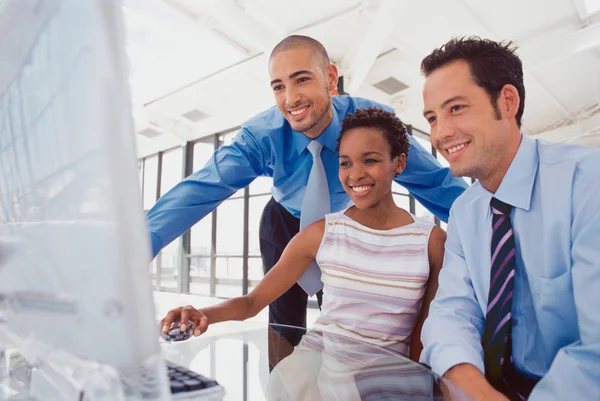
<point>141,173</point>
<point>232,239</point>
<point>172,169</point>
<point>220,255</point>
<point>201,235</point>
<point>171,173</point>
<point>230,247</point>
<point>257,203</point>
<point>150,183</point>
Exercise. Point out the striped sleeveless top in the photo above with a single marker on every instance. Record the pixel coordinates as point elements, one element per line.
<point>374,280</point>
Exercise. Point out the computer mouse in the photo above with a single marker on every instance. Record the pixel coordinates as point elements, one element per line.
<point>175,334</point>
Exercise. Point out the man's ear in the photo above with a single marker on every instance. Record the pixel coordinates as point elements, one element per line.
<point>509,101</point>
<point>400,164</point>
<point>332,77</point>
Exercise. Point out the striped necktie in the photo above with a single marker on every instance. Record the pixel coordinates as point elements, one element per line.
<point>498,316</point>
<point>497,343</point>
<point>315,205</point>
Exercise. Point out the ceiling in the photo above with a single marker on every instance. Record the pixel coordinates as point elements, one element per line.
<point>200,67</point>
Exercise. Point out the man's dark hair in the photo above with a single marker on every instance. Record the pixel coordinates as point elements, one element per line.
<point>387,123</point>
<point>492,65</point>
<point>298,41</point>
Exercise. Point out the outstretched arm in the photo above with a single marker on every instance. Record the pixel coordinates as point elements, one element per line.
<point>435,249</point>
<point>231,167</point>
<point>296,258</point>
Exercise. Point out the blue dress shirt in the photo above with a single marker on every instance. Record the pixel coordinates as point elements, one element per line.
<point>267,146</point>
<point>555,193</point>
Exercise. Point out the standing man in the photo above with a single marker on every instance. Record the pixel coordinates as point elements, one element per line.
<point>295,144</point>
<point>516,314</point>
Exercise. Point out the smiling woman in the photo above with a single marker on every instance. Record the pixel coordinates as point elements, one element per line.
<point>379,263</point>
<point>374,152</point>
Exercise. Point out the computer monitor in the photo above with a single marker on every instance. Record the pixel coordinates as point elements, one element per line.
<point>74,252</point>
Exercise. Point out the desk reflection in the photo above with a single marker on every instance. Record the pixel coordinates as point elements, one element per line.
<point>327,366</point>
<point>324,366</point>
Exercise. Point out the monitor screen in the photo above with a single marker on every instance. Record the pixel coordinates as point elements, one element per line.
<point>74,252</point>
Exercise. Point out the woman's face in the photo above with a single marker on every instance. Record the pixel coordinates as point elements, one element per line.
<point>367,168</point>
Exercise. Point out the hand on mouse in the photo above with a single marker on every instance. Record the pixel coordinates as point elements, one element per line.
<point>183,316</point>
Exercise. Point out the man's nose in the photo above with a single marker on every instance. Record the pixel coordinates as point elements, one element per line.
<point>443,131</point>
<point>292,97</point>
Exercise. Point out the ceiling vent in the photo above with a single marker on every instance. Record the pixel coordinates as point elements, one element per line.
<point>390,85</point>
<point>195,115</point>
<point>150,133</point>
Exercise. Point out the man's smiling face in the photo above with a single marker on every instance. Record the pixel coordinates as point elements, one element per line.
<point>302,86</point>
<point>465,126</point>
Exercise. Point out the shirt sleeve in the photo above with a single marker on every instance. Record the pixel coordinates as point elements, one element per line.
<point>231,168</point>
<point>580,361</point>
<point>451,334</point>
<point>424,177</point>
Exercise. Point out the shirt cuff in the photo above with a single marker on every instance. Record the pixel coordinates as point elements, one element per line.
<point>450,356</point>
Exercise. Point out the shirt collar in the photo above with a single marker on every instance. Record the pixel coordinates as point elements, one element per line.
<point>516,187</point>
<point>328,138</point>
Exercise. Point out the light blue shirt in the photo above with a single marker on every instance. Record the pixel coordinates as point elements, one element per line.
<point>555,193</point>
<point>267,146</point>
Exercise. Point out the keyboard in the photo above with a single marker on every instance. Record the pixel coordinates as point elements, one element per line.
<point>188,385</point>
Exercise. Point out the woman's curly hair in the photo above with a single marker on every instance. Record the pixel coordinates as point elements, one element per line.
<point>387,123</point>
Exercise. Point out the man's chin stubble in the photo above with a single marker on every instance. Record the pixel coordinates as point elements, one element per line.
<point>306,127</point>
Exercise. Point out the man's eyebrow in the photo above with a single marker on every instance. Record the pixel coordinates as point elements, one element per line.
<point>293,75</point>
<point>452,99</point>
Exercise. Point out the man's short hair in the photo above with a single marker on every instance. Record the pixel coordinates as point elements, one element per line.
<point>492,64</point>
<point>300,41</point>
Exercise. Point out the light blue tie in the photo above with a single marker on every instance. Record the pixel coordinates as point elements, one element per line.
<point>315,206</point>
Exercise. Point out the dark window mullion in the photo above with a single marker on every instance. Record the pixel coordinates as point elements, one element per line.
<point>213,247</point>
<point>186,243</point>
<point>246,244</point>
<point>158,174</point>
<point>143,178</point>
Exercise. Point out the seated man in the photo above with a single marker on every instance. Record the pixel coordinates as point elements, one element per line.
<point>516,314</point>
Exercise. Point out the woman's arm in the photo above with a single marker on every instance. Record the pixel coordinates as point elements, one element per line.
<point>298,255</point>
<point>435,249</point>
<point>296,258</point>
